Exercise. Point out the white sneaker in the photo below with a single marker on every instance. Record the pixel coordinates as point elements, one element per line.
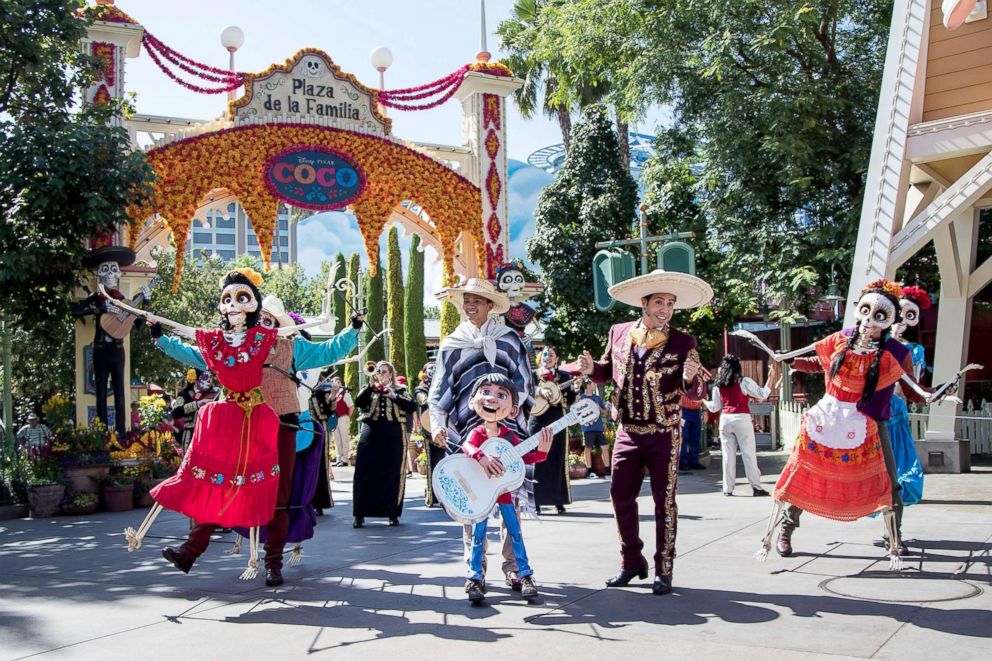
<point>593,476</point>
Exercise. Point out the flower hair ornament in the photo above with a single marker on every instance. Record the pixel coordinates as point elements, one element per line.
<point>253,276</point>
<point>918,295</point>
<point>893,289</point>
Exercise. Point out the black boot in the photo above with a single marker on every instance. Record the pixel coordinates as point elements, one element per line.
<point>662,584</point>
<point>178,558</point>
<point>625,576</point>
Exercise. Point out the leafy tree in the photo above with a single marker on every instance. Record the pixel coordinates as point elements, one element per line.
<point>782,97</point>
<point>394,300</point>
<point>592,199</point>
<point>413,312</point>
<point>351,369</point>
<point>290,283</point>
<point>43,363</point>
<point>375,311</point>
<point>66,174</point>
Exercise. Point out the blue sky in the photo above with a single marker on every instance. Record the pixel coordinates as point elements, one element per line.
<point>428,39</point>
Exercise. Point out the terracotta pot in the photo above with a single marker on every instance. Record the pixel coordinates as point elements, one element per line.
<point>78,511</point>
<point>86,479</point>
<point>599,466</point>
<point>145,499</point>
<point>118,498</point>
<point>578,471</point>
<point>44,500</point>
<point>422,468</point>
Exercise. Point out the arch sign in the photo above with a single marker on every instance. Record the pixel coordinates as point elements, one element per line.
<point>314,177</point>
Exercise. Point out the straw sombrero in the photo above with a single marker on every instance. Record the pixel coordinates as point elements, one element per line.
<point>690,291</point>
<point>274,306</point>
<point>479,287</point>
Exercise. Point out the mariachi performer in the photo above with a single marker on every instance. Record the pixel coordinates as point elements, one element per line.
<point>511,279</point>
<point>552,399</point>
<point>651,366</point>
<point>841,465</point>
<point>278,388</point>
<point>199,391</point>
<point>434,452</point>
<point>230,473</point>
<point>380,467</point>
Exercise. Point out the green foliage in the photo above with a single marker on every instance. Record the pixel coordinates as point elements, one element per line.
<point>780,98</point>
<point>290,282</point>
<point>450,317</point>
<point>351,369</point>
<point>592,199</point>
<point>375,310</point>
<point>43,362</point>
<point>66,174</point>
<point>394,300</point>
<point>414,313</point>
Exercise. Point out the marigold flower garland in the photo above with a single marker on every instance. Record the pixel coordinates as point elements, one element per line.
<point>235,159</point>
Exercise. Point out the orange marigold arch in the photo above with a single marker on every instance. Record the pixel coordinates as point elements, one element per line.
<point>234,159</point>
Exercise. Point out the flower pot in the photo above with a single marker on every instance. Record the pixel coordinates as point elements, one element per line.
<point>44,500</point>
<point>578,471</point>
<point>422,468</point>
<point>145,499</point>
<point>72,510</point>
<point>86,479</point>
<point>599,466</point>
<point>118,498</point>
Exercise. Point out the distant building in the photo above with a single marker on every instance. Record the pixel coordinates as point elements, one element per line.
<point>227,233</point>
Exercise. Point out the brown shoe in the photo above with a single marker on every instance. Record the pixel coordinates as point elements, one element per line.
<point>476,591</point>
<point>783,545</point>
<point>513,581</point>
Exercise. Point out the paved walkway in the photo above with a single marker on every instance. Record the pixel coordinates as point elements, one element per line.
<point>69,589</point>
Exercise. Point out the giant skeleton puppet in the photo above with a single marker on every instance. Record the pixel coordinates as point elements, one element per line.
<point>112,326</point>
<point>511,279</point>
<point>837,469</point>
<point>230,473</point>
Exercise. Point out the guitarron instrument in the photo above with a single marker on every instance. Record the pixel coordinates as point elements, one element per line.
<point>118,324</point>
<point>461,483</point>
<point>540,404</point>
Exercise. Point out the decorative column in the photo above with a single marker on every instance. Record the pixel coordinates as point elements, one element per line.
<point>113,38</point>
<point>483,99</point>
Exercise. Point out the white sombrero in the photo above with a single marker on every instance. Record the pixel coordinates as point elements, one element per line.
<point>274,306</point>
<point>689,291</point>
<point>482,288</point>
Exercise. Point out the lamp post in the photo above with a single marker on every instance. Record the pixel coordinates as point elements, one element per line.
<point>232,38</point>
<point>833,295</point>
<point>381,58</point>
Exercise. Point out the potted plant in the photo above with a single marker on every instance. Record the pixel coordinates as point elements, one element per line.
<point>353,452</point>
<point>422,462</point>
<point>45,485</point>
<point>577,470</point>
<point>83,503</point>
<point>118,492</point>
<point>84,455</point>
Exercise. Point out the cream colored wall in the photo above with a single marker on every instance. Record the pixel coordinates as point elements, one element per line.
<point>959,68</point>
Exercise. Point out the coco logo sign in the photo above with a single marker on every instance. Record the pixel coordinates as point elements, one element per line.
<point>314,177</point>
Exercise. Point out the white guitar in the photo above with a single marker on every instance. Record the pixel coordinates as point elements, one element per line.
<point>469,495</point>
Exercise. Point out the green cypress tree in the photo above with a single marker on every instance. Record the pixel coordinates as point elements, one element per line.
<point>394,301</point>
<point>413,312</point>
<point>593,198</point>
<point>351,369</point>
<point>449,313</point>
<point>341,312</point>
<point>375,310</point>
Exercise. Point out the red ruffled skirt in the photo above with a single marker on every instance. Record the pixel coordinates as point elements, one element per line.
<point>230,474</point>
<point>836,469</point>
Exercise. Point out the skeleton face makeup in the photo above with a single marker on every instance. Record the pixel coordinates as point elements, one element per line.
<point>910,316</point>
<point>202,383</point>
<point>109,275</point>
<point>236,301</point>
<point>876,313</point>
<point>268,320</point>
<point>429,370</point>
<point>511,283</point>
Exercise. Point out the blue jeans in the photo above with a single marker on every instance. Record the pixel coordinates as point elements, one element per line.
<point>691,427</point>
<point>509,515</point>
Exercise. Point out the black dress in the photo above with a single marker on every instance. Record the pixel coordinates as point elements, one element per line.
<point>380,466</point>
<point>323,422</point>
<point>552,485</point>
<point>434,453</point>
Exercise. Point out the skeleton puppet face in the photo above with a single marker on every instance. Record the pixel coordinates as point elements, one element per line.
<point>109,275</point>
<point>511,283</point>
<point>236,301</point>
<point>875,313</point>
<point>910,316</point>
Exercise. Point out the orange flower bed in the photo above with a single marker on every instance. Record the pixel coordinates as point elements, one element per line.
<point>235,159</point>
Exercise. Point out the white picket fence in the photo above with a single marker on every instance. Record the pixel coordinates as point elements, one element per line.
<point>974,424</point>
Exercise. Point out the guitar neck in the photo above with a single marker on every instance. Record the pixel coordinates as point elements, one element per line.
<point>532,441</point>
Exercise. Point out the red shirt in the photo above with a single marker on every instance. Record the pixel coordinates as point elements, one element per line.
<point>478,436</point>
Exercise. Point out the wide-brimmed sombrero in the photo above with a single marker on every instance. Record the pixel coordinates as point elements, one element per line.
<point>479,287</point>
<point>689,291</point>
<point>123,255</point>
<point>274,306</point>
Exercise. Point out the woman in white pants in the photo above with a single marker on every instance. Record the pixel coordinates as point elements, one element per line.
<point>731,394</point>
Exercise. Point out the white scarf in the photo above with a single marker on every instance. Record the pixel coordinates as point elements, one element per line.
<point>468,336</point>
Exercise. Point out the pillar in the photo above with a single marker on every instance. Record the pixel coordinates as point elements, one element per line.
<point>483,99</point>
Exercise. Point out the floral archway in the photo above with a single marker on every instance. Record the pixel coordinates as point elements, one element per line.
<point>234,159</point>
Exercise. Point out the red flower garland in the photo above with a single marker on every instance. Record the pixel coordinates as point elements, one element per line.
<point>446,86</point>
<point>233,85</point>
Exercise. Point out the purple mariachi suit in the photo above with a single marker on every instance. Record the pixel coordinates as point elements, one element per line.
<point>647,393</point>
